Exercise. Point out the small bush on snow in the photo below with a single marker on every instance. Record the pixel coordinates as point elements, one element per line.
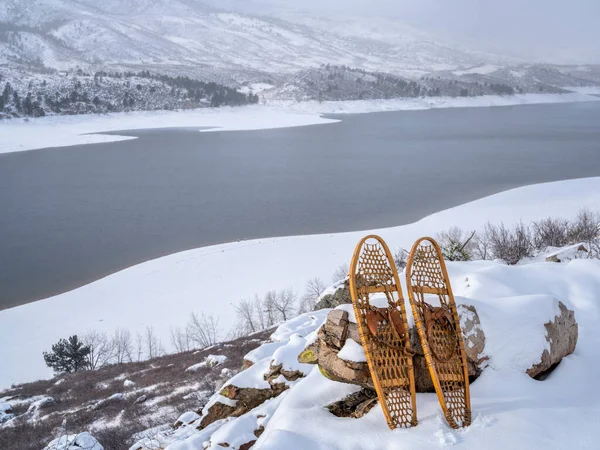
<point>400,257</point>
<point>585,227</point>
<point>510,245</point>
<point>550,233</point>
<point>456,244</point>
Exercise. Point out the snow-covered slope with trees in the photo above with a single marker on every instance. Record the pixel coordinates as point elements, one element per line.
<point>61,33</point>
<point>162,293</point>
<point>510,409</point>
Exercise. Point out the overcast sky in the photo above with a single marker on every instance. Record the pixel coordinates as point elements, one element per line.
<point>565,30</point>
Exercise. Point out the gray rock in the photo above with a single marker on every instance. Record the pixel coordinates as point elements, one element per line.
<point>562,335</point>
<point>339,297</point>
<point>337,329</point>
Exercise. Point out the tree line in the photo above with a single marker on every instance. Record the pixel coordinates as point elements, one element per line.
<point>113,92</point>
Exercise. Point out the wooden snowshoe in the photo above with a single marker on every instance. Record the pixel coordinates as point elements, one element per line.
<point>439,330</point>
<point>383,328</point>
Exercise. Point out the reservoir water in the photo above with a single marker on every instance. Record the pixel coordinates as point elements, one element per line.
<point>71,215</point>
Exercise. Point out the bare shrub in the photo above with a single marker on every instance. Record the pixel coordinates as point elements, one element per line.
<point>509,245</point>
<point>203,330</point>
<point>585,227</point>
<point>314,288</point>
<point>340,273</point>
<point>456,244</point>
<point>550,233</point>
<point>400,256</point>
<point>594,248</point>
<point>481,246</point>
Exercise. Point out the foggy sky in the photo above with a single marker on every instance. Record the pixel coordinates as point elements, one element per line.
<point>550,30</point>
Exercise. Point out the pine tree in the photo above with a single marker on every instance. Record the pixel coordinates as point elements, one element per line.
<point>67,356</point>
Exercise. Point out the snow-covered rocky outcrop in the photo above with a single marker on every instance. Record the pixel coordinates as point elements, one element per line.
<point>516,320</point>
<point>81,441</point>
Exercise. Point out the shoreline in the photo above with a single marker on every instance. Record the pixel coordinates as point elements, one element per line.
<point>163,292</point>
<point>63,131</point>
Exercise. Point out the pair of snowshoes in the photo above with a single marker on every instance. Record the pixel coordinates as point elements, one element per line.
<point>383,327</point>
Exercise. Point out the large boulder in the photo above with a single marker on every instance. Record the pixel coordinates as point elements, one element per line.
<point>338,329</point>
<point>561,335</point>
<point>339,296</point>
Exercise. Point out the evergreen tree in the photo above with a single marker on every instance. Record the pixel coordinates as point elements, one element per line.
<point>67,356</point>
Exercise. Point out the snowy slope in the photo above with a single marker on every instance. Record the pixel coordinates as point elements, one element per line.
<point>63,33</point>
<point>163,292</point>
<point>510,409</point>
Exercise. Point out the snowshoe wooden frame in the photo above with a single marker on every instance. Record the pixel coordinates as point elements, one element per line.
<point>389,356</point>
<point>441,340</point>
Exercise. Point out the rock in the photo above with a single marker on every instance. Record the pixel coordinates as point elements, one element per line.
<point>339,297</point>
<point>141,399</point>
<point>562,335</point>
<point>216,412</point>
<point>309,355</point>
<point>337,369</point>
<point>568,253</point>
<point>246,399</point>
<point>473,337</point>
<point>186,419</point>
<point>355,405</point>
<point>260,430</point>
<point>337,329</point>
<point>273,377</point>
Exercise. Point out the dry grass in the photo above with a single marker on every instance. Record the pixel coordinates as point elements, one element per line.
<point>82,399</point>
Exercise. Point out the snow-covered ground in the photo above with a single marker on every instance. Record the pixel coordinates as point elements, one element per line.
<point>404,104</point>
<point>510,409</point>
<point>162,293</point>
<point>61,131</point>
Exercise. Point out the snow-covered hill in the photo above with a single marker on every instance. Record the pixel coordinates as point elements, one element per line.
<point>510,409</point>
<point>162,293</point>
<point>62,33</point>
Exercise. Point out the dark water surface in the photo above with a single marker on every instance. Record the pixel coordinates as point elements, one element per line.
<point>71,215</point>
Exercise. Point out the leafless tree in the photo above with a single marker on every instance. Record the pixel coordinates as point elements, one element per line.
<point>101,351</point>
<point>285,302</point>
<point>245,310</point>
<point>262,313</point>
<point>270,309</point>
<point>340,273</point>
<point>152,345</point>
<point>314,288</point>
<point>203,330</point>
<point>180,339</point>
<point>122,346</point>
<point>139,347</point>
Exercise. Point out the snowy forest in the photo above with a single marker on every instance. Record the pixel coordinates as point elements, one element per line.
<point>102,92</point>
